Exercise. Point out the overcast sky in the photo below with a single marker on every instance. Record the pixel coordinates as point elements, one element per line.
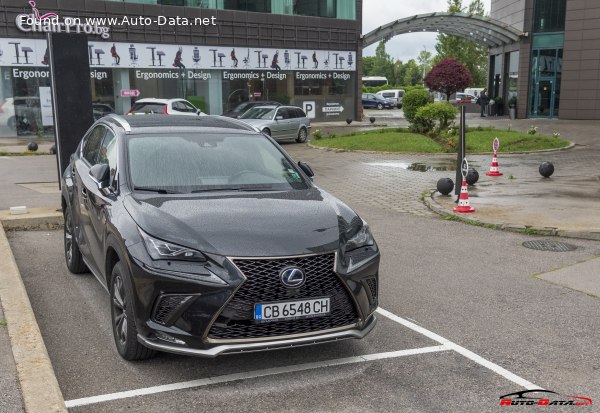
<point>407,46</point>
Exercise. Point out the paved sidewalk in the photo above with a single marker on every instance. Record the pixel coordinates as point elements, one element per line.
<point>10,392</point>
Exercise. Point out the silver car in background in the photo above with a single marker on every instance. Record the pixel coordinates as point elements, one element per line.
<point>279,122</point>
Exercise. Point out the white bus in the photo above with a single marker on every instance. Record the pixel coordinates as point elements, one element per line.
<point>374,81</point>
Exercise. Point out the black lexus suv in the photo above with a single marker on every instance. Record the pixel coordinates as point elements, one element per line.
<point>210,239</point>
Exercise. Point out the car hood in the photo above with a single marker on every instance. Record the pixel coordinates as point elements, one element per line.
<point>246,224</point>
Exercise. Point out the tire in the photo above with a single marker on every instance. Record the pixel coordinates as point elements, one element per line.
<point>73,257</point>
<point>122,318</point>
<point>379,106</point>
<point>302,135</point>
<point>267,131</point>
<point>11,122</point>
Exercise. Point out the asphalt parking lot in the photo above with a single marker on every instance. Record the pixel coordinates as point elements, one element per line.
<point>439,280</point>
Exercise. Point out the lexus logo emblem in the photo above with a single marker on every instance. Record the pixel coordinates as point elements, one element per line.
<point>292,277</point>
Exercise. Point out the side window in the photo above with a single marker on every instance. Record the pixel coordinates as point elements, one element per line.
<point>108,154</point>
<point>178,106</point>
<point>300,113</point>
<point>189,107</point>
<point>92,144</point>
<point>283,113</point>
<point>292,113</point>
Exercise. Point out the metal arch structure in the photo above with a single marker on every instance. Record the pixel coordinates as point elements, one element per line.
<point>484,30</point>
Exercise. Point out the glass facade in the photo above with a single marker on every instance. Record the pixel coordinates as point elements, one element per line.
<point>549,16</point>
<point>338,9</point>
<point>546,58</point>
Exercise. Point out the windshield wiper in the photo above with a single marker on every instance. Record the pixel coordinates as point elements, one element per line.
<point>236,188</point>
<point>154,189</point>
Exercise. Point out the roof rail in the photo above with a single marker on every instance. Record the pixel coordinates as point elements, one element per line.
<point>120,121</point>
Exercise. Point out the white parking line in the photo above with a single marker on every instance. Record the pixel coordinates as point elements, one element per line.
<point>251,375</point>
<point>461,350</point>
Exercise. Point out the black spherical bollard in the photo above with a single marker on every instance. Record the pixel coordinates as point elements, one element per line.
<point>472,177</point>
<point>52,150</point>
<point>546,169</point>
<point>32,146</point>
<point>445,186</point>
<point>349,121</point>
<point>372,119</point>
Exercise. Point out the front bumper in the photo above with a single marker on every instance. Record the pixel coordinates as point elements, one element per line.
<point>262,346</point>
<point>204,309</point>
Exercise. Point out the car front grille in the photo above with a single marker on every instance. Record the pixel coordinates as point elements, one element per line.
<point>263,285</point>
<point>166,305</point>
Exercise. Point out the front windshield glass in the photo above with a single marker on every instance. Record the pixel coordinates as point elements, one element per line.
<point>190,162</point>
<point>259,113</point>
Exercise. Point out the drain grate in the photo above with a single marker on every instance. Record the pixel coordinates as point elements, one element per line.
<point>553,246</point>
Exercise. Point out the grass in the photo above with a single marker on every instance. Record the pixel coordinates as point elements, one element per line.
<point>382,140</point>
<point>511,141</point>
<point>3,322</point>
<point>479,140</point>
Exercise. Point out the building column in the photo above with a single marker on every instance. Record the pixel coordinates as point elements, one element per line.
<point>121,81</point>
<point>215,93</point>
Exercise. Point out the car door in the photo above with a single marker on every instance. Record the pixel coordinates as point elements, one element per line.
<point>280,128</point>
<point>84,187</point>
<point>101,202</point>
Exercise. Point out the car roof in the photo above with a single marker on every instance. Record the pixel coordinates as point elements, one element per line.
<point>156,100</point>
<point>150,123</point>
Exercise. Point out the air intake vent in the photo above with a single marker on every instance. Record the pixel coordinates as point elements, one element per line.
<point>372,284</point>
<point>169,307</point>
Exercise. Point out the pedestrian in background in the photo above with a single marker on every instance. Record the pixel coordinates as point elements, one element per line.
<point>484,100</point>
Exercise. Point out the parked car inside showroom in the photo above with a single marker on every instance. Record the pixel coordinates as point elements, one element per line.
<point>210,239</point>
<point>280,122</point>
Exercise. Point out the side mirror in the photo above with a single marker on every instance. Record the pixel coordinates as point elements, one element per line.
<point>278,117</point>
<point>100,174</point>
<point>306,168</point>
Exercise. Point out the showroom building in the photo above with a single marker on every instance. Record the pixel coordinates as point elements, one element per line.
<point>215,53</point>
<point>554,71</point>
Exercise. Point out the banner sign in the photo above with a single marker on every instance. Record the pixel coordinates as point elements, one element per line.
<point>34,52</point>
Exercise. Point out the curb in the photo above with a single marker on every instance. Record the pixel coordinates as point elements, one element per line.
<point>325,148</point>
<point>522,229</point>
<point>40,391</point>
<point>35,219</point>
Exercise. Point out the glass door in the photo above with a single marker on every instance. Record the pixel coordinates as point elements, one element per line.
<point>546,71</point>
<point>544,98</point>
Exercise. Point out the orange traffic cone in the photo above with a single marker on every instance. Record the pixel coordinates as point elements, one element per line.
<point>463,200</point>
<point>494,171</point>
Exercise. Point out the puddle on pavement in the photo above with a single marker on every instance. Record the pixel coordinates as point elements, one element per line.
<point>420,166</point>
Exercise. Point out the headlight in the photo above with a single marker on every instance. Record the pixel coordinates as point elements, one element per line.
<point>163,250</point>
<point>362,238</point>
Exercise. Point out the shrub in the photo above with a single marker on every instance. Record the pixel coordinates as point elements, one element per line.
<point>438,115</point>
<point>412,101</point>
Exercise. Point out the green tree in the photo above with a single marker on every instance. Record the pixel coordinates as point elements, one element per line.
<point>473,55</point>
<point>412,74</point>
<point>424,59</point>
<point>368,63</point>
<point>383,64</point>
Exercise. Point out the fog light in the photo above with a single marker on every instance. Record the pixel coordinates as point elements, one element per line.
<point>165,337</point>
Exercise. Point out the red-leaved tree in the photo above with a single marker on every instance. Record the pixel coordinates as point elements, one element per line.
<point>448,76</point>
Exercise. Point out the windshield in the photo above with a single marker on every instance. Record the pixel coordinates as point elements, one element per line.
<point>148,107</point>
<point>187,162</point>
<point>259,113</point>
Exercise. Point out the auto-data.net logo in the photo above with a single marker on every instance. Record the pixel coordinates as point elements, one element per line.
<point>544,398</point>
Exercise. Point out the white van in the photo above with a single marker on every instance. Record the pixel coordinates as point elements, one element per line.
<point>394,95</point>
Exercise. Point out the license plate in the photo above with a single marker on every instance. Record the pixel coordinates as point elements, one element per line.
<point>292,309</point>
